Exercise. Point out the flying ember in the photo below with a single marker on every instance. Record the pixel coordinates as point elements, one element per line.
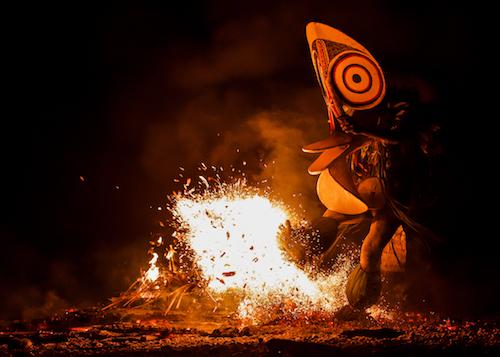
<point>225,245</point>
<point>233,232</point>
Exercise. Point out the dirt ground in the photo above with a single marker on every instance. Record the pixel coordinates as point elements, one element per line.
<point>347,333</point>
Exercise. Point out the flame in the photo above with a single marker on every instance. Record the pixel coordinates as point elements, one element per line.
<point>153,272</point>
<point>233,233</point>
<point>235,241</point>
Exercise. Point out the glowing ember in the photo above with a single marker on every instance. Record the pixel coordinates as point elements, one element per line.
<point>233,232</point>
<point>225,244</point>
<point>236,244</point>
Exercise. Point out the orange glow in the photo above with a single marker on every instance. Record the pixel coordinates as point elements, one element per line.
<point>153,272</point>
<point>233,232</point>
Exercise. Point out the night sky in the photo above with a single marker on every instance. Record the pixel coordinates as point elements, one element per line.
<point>105,103</point>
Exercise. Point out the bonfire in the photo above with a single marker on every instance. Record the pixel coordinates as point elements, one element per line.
<point>225,246</point>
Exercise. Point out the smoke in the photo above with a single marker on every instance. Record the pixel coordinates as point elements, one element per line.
<point>41,305</point>
<point>250,101</point>
<point>265,145</point>
<point>31,302</point>
<point>277,136</point>
<point>249,48</point>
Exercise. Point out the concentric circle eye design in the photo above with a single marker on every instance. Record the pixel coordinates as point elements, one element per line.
<point>358,80</point>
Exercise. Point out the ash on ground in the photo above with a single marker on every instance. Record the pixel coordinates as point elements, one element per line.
<point>132,332</point>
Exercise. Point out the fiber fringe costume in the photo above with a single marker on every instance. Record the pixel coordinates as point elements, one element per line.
<point>362,165</point>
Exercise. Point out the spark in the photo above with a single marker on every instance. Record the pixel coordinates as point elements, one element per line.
<point>233,232</point>
<point>226,242</point>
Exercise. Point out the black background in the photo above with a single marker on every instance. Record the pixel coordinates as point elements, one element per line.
<point>87,84</point>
